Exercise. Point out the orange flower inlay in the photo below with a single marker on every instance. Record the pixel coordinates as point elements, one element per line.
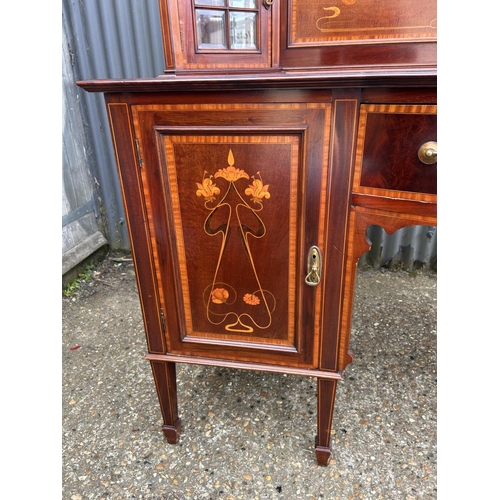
<point>207,189</point>
<point>251,299</point>
<point>231,174</point>
<point>219,295</point>
<point>257,191</point>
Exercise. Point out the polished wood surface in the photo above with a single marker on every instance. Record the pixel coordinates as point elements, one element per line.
<point>241,365</point>
<point>135,211</point>
<point>189,56</point>
<point>305,147</point>
<point>184,146</point>
<point>328,23</point>
<point>166,388</point>
<point>375,80</point>
<point>387,162</point>
<point>234,163</point>
<point>294,34</point>
<point>326,400</point>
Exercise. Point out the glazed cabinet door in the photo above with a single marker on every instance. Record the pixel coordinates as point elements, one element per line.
<point>202,35</point>
<point>236,197</point>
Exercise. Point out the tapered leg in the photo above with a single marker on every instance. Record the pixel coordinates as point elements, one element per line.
<point>326,400</point>
<point>166,387</point>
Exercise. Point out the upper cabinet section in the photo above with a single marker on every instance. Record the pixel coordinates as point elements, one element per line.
<point>220,35</point>
<point>319,22</point>
<point>358,33</point>
<point>263,35</point>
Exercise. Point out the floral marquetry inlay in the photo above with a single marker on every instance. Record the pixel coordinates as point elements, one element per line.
<point>320,21</point>
<point>245,310</point>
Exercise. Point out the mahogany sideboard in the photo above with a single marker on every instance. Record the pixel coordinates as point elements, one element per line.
<point>252,168</point>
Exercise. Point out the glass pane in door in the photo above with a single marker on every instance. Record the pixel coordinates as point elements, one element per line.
<point>211,28</point>
<point>242,4</point>
<point>212,3</point>
<point>243,30</point>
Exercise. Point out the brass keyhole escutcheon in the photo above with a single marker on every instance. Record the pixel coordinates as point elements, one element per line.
<point>428,153</point>
<point>267,3</point>
<point>314,265</point>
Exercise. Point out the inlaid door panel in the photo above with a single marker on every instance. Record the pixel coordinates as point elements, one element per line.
<point>241,207</point>
<point>357,33</point>
<point>228,222</point>
<point>320,22</point>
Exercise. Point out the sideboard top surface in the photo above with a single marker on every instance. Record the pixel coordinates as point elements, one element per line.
<point>418,77</point>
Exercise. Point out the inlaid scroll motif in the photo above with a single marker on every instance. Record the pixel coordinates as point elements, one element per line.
<point>343,19</point>
<point>236,298</point>
<point>325,24</point>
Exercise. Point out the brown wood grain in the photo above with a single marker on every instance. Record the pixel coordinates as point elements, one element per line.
<point>405,35</point>
<point>386,95</point>
<point>345,113</point>
<point>168,10</point>
<point>302,35</point>
<point>395,204</point>
<point>179,129</point>
<point>242,365</point>
<point>329,118</point>
<point>387,162</point>
<point>273,256</point>
<point>164,374</point>
<point>130,182</point>
<point>176,137</point>
<point>191,58</point>
<point>318,22</point>
<point>326,401</point>
<point>353,77</point>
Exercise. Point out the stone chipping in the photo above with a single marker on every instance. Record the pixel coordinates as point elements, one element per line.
<point>249,435</point>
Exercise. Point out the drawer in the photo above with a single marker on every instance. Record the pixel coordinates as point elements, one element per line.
<point>396,153</point>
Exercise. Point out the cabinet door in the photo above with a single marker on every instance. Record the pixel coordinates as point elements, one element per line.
<point>217,34</point>
<point>236,197</point>
<point>358,33</point>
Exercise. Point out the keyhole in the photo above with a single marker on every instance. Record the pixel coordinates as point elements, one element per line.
<point>313,267</point>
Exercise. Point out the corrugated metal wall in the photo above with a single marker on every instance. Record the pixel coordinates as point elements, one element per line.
<point>122,39</point>
<point>110,39</point>
<point>413,247</point>
<point>81,234</point>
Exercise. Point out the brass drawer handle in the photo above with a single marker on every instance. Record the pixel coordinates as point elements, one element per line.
<point>314,265</point>
<point>428,153</point>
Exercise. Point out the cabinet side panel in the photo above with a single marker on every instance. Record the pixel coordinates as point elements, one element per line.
<point>128,170</point>
<point>166,14</point>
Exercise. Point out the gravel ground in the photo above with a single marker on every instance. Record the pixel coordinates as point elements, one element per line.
<point>249,435</point>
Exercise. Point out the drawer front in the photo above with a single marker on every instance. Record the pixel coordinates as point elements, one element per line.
<point>391,151</point>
